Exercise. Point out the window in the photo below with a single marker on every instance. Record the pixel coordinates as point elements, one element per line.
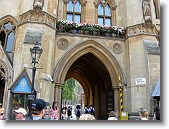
<point>104,14</point>
<point>73,11</point>
<point>7,35</point>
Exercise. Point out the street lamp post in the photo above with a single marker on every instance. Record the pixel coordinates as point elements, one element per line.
<point>36,52</point>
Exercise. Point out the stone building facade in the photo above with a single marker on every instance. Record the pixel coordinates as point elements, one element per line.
<point>105,64</point>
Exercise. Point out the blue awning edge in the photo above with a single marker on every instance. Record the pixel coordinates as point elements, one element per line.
<point>156,91</point>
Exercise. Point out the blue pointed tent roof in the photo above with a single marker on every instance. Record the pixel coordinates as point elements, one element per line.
<point>23,83</point>
<point>156,91</point>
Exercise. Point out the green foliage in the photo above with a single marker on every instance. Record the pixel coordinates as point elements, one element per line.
<point>69,90</point>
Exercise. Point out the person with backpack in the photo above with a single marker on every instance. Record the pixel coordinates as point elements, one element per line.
<point>78,112</point>
<point>91,110</point>
<point>86,110</point>
<point>69,112</point>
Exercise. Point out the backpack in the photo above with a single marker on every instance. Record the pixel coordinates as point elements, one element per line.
<point>69,112</point>
<point>86,111</point>
<point>92,111</point>
<point>78,113</point>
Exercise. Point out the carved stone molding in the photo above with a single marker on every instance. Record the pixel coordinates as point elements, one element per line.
<point>62,44</point>
<point>141,29</point>
<point>110,2</point>
<point>38,16</point>
<point>83,2</point>
<point>117,48</point>
<point>3,69</point>
<point>146,11</point>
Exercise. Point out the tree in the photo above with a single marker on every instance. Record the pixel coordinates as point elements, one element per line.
<point>69,91</point>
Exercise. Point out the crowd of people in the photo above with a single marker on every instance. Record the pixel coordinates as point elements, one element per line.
<point>39,107</point>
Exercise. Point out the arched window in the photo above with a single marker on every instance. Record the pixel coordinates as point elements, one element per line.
<point>104,14</point>
<point>73,11</point>
<point>7,36</point>
<point>156,9</point>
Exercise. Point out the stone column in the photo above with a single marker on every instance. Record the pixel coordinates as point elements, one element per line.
<point>116,101</point>
<point>58,95</point>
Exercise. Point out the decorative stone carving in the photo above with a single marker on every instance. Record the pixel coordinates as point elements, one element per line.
<point>38,4</point>
<point>141,29</point>
<point>83,2</point>
<point>146,11</point>
<point>3,69</point>
<point>62,43</point>
<point>38,16</point>
<point>117,48</point>
<point>104,2</point>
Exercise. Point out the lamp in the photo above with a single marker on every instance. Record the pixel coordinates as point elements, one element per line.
<point>36,52</point>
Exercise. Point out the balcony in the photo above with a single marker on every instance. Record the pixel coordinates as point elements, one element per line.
<point>90,29</point>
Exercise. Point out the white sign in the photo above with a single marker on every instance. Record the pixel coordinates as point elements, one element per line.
<point>124,114</point>
<point>140,81</point>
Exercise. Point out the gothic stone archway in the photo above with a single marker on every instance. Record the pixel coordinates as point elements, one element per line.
<point>97,71</point>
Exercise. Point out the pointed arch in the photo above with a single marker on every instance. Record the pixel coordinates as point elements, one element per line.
<point>8,26</point>
<point>81,49</point>
<point>9,18</point>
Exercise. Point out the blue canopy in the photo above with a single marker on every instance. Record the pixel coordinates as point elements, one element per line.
<point>156,91</point>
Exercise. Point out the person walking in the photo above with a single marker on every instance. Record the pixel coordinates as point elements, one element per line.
<point>86,110</point>
<point>112,116</point>
<point>91,110</point>
<point>20,114</point>
<point>38,109</point>
<point>157,113</point>
<point>78,112</point>
<point>69,113</point>
<point>54,111</point>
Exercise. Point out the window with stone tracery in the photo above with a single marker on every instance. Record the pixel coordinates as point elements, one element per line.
<point>105,12</point>
<point>7,36</point>
<point>74,11</point>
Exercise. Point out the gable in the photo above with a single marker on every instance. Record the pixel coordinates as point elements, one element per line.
<point>22,84</point>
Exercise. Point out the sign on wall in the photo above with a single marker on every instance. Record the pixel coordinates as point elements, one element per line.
<point>33,35</point>
<point>140,81</point>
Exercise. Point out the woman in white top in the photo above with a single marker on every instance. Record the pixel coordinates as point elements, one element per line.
<point>112,116</point>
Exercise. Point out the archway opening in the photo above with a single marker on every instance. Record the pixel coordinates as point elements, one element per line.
<point>93,76</point>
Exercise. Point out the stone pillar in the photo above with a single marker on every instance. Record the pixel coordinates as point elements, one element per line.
<point>116,101</point>
<point>58,95</point>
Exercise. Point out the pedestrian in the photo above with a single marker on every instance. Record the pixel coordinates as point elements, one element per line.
<point>2,114</point>
<point>38,109</point>
<point>87,117</point>
<point>54,111</point>
<point>112,116</point>
<point>78,112</point>
<point>86,110</point>
<point>91,110</point>
<point>69,112</point>
<point>157,113</point>
<point>20,114</point>
<point>144,114</point>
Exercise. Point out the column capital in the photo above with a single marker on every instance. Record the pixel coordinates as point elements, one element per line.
<point>59,85</point>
